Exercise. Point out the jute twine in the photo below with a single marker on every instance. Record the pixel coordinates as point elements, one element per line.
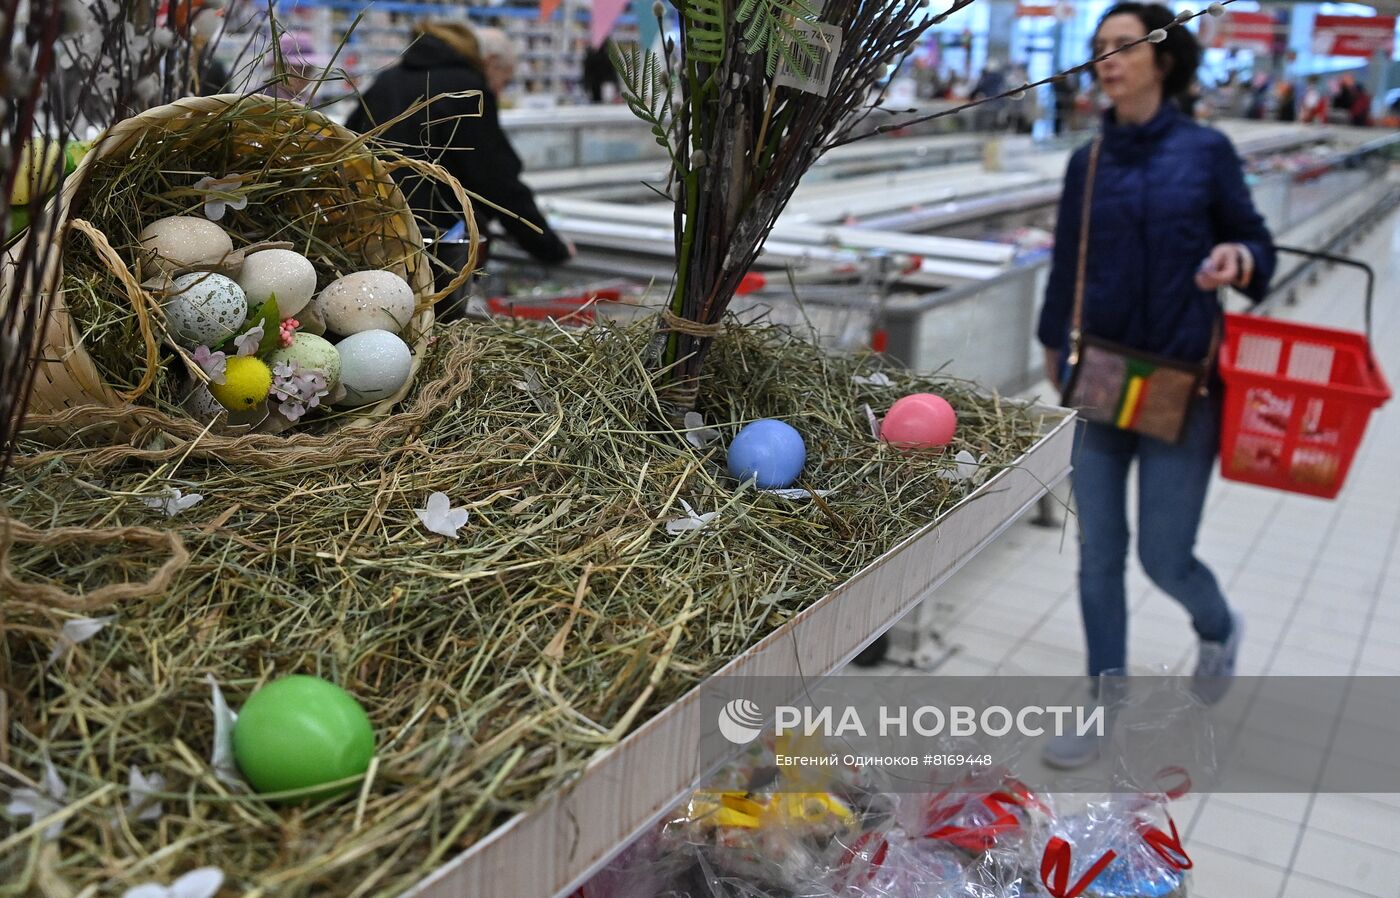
<point>356,442</point>
<point>46,597</point>
<point>673,323</point>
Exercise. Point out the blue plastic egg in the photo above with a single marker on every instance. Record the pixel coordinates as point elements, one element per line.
<point>768,452</point>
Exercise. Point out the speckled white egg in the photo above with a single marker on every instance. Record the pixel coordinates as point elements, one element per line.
<point>310,353</point>
<point>201,404</point>
<point>366,300</point>
<point>374,364</point>
<point>204,309</point>
<point>282,273</point>
<point>183,241</point>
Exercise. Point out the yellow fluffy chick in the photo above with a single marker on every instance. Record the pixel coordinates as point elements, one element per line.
<point>247,382</point>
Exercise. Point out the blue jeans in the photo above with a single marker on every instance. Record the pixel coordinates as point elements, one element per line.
<point>1172,482</point>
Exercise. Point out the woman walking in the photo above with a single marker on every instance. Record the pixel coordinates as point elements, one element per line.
<point>1160,206</point>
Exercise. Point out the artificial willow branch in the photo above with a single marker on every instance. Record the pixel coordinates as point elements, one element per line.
<point>763,84</point>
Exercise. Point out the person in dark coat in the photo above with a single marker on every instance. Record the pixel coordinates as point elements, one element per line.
<point>598,70</point>
<point>449,58</point>
<point>1170,222</point>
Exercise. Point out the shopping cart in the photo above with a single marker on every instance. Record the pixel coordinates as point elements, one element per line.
<point>1297,397</point>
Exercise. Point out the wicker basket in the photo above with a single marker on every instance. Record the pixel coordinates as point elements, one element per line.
<point>345,199</point>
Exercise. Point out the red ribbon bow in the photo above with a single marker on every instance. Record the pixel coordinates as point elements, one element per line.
<point>1055,868</point>
<point>1168,847</point>
<point>977,839</point>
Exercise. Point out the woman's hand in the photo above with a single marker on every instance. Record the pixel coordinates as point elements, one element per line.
<point>1052,367</point>
<point>1222,268</point>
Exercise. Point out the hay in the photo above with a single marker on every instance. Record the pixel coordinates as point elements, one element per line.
<point>493,666</point>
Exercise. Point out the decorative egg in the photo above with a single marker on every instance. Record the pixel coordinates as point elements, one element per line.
<point>247,381</point>
<point>769,452</point>
<point>299,732</point>
<point>204,309</point>
<point>310,353</point>
<point>919,421</point>
<point>366,300</point>
<point>183,241</point>
<point>201,405</point>
<point>36,175</point>
<point>282,273</point>
<point>374,364</point>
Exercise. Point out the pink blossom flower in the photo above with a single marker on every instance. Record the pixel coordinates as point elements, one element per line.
<point>288,330</point>
<point>249,341</point>
<point>213,364</point>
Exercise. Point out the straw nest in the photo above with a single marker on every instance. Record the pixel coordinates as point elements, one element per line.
<point>291,178</point>
<point>493,666</point>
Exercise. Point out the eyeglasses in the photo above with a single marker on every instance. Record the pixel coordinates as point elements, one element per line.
<point>1101,47</point>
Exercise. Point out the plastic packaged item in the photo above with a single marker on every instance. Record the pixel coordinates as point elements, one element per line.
<point>1072,851</point>
<point>1151,861</point>
<point>987,809</point>
<point>887,863</point>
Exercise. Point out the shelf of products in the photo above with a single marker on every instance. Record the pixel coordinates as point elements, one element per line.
<point>366,38</point>
<point>625,789</point>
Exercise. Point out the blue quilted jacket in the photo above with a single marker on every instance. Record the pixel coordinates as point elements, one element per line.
<point>1166,193</point>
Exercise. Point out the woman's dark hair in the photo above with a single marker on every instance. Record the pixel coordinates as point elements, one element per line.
<point>1177,56</point>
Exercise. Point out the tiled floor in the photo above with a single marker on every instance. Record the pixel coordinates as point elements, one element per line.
<point>1318,584</point>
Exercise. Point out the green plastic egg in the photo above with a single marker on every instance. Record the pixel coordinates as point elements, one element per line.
<point>300,732</point>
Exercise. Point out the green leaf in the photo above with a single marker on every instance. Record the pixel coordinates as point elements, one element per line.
<point>646,89</point>
<point>771,31</point>
<point>704,30</point>
<point>270,318</point>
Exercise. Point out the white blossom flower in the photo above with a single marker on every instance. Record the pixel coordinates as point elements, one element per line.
<point>878,379</point>
<point>221,756</point>
<point>172,502</point>
<point>204,882</point>
<point>220,195</point>
<point>440,517</point>
<point>965,467</point>
<point>874,421</point>
<point>697,434</point>
<point>37,804</point>
<point>75,632</point>
<point>1156,35</point>
<point>1216,9</point>
<point>691,521</point>
<point>141,802</point>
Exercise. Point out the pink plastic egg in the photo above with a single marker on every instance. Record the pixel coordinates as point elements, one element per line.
<point>919,421</point>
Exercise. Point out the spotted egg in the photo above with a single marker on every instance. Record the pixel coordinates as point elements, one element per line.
<point>204,309</point>
<point>364,301</point>
<point>310,353</point>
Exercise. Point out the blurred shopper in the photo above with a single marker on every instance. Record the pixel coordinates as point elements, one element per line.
<point>1166,194</point>
<point>1360,109</point>
<point>1343,99</point>
<point>450,58</point>
<point>1313,106</point>
<point>1258,108</point>
<point>1287,102</point>
<point>600,81</point>
<point>1064,88</point>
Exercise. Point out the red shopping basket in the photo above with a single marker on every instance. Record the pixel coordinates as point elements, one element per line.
<point>1297,399</point>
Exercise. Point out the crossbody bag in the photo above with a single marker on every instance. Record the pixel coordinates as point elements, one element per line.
<point>1118,385</point>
